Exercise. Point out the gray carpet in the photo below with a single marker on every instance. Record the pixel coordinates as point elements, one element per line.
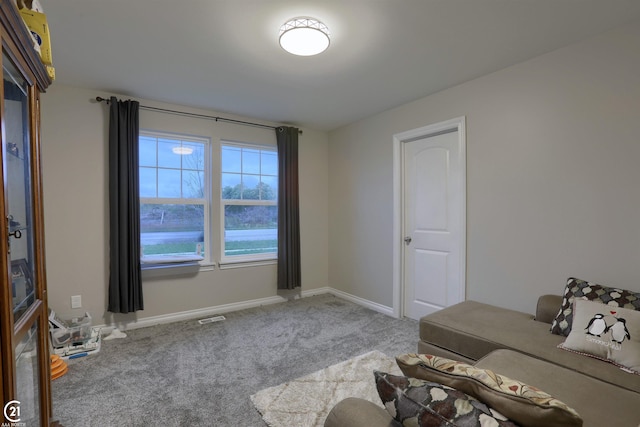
<point>187,374</point>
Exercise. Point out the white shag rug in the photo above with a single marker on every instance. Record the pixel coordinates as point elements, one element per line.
<point>306,401</point>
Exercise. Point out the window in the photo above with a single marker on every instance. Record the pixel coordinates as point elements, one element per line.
<point>174,196</point>
<point>249,194</point>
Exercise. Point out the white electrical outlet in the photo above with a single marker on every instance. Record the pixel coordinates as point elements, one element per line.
<point>76,301</point>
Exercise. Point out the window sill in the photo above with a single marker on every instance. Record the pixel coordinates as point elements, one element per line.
<point>170,259</point>
<point>173,265</point>
<point>169,269</point>
<point>164,266</point>
<point>240,264</point>
<point>159,269</point>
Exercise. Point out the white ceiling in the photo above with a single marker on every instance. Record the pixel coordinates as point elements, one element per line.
<point>223,55</point>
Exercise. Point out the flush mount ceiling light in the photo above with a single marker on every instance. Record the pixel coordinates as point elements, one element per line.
<point>182,150</point>
<point>304,36</point>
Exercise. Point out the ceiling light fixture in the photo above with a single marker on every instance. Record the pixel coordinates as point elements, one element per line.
<point>304,36</point>
<point>182,150</point>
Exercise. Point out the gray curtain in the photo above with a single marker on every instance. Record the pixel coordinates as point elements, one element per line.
<point>125,283</point>
<point>288,209</point>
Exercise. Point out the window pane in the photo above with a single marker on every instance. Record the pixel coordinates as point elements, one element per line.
<point>250,230</point>
<point>194,160</point>
<point>250,161</point>
<point>231,159</point>
<point>166,157</point>
<point>168,183</point>
<point>192,184</point>
<point>147,182</point>
<point>147,151</point>
<point>173,168</point>
<point>269,163</point>
<point>231,186</point>
<point>250,188</point>
<point>171,229</point>
<point>269,188</point>
<point>249,173</point>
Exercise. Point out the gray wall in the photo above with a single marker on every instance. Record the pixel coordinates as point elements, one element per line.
<point>74,162</point>
<point>552,177</point>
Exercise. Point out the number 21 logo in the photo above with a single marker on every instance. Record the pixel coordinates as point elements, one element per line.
<point>12,411</point>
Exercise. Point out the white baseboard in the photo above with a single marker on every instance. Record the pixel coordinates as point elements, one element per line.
<point>227,308</point>
<point>363,302</point>
<point>209,311</point>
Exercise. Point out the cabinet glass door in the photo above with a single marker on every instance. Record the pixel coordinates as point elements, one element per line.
<point>26,389</point>
<point>27,379</point>
<point>18,186</point>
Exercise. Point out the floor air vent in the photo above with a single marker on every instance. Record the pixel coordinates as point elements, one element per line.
<point>212,319</point>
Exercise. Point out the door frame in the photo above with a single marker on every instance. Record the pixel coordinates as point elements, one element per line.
<point>457,124</point>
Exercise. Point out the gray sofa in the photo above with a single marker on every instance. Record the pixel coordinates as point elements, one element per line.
<point>519,346</point>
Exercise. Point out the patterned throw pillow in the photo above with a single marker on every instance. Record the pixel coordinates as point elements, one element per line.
<point>418,403</point>
<point>577,288</point>
<point>520,402</point>
<point>607,333</point>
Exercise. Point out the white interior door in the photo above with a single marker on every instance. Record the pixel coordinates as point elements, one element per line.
<point>434,216</point>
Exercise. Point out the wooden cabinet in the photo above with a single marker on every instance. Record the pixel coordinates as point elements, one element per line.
<point>25,392</point>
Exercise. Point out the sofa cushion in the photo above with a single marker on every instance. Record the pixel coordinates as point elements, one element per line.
<point>577,288</point>
<point>598,403</point>
<point>415,402</point>
<point>473,330</point>
<point>607,333</point>
<point>523,403</point>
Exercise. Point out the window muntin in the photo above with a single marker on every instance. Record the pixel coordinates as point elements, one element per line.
<point>249,193</point>
<point>174,189</point>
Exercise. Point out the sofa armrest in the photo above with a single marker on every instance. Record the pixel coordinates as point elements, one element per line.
<point>547,308</point>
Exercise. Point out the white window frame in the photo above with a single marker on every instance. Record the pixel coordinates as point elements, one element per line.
<point>269,257</point>
<point>205,202</point>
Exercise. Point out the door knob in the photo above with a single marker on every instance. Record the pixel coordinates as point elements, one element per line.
<point>407,240</point>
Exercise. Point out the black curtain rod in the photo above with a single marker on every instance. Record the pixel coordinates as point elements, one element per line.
<point>200,116</point>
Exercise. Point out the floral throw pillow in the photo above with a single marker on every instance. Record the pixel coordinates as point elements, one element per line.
<point>522,403</point>
<point>582,289</point>
<point>419,403</point>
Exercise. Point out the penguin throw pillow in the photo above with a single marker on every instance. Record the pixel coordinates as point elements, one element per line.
<point>606,332</point>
